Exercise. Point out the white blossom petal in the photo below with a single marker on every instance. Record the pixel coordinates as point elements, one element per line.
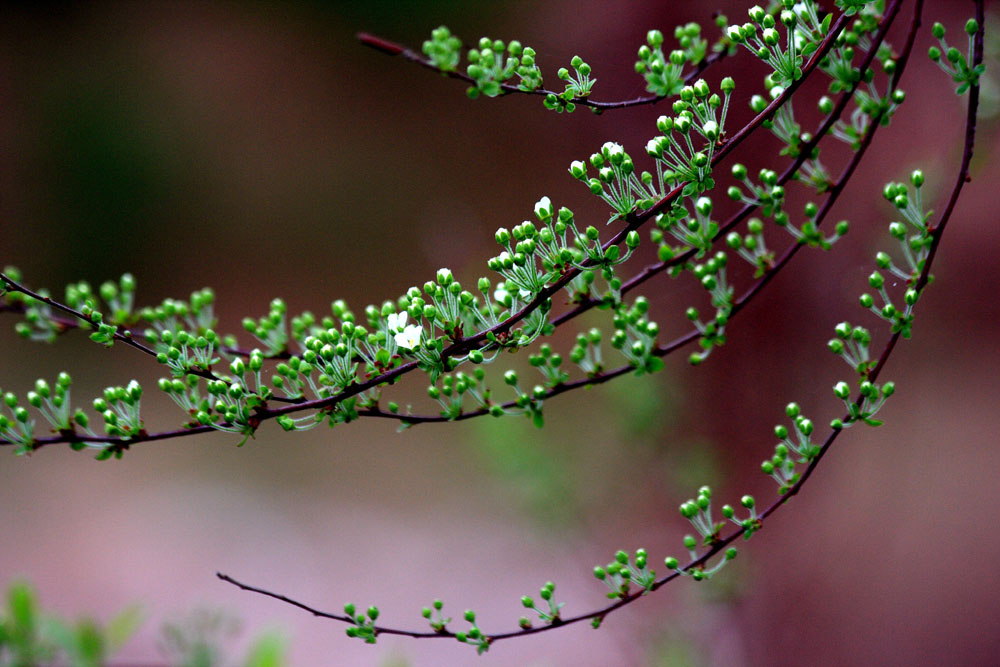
<point>612,148</point>
<point>396,321</point>
<point>409,337</point>
<point>543,207</point>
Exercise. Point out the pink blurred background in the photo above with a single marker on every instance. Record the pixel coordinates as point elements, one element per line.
<point>261,150</point>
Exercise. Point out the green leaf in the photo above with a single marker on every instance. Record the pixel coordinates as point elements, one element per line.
<point>267,651</point>
<point>121,628</point>
<point>22,606</point>
<point>89,649</point>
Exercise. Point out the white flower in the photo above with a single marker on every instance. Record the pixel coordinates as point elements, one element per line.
<point>799,38</point>
<point>397,321</point>
<point>525,294</point>
<point>611,148</point>
<point>409,337</point>
<point>543,208</point>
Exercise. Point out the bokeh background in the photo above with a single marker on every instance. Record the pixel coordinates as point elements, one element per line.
<point>259,149</point>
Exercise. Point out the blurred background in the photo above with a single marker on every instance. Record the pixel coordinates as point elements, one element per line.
<point>259,149</point>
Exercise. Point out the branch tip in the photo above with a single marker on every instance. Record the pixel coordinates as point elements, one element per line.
<point>379,44</point>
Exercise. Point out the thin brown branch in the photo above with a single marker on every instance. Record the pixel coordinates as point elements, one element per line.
<point>393,49</point>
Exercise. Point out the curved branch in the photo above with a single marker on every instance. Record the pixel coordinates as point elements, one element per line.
<point>463,345</point>
<point>393,49</point>
<point>738,305</point>
<point>936,232</point>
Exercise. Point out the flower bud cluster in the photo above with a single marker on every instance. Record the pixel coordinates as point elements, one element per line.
<point>474,635</point>
<point>635,336</point>
<point>454,388</point>
<point>443,49</point>
<point>752,247</point>
<point>623,571</point>
<point>493,63</point>
<point>762,37</point>
<point>956,64</point>
<point>664,74</point>
<point>550,614</point>
<point>184,352</point>
<point>789,452</point>
<point>119,406</point>
<point>851,344</point>
<point>52,402</point>
<point>363,624</point>
<point>196,315</point>
<point>578,86</point>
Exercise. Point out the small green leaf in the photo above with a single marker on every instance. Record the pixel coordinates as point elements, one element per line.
<point>22,606</point>
<point>121,628</point>
<point>267,651</point>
